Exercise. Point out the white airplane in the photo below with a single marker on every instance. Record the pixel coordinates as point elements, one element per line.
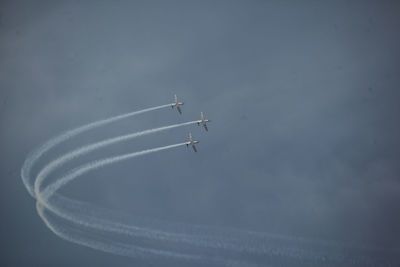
<point>192,142</point>
<point>203,121</point>
<point>177,105</point>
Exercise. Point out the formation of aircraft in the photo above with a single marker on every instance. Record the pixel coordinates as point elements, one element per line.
<point>203,121</point>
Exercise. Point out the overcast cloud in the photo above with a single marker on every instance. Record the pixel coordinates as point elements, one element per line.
<point>303,97</point>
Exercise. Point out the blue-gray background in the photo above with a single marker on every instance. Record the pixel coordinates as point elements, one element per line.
<point>304,99</point>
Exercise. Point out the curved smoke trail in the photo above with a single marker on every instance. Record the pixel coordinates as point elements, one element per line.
<point>93,239</point>
<point>57,163</point>
<point>43,196</point>
<point>38,153</point>
<point>91,226</point>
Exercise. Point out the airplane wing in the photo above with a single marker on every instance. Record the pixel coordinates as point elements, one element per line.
<point>179,109</point>
<point>205,127</point>
<point>194,148</point>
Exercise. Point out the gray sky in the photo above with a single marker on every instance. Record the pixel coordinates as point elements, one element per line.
<point>303,98</point>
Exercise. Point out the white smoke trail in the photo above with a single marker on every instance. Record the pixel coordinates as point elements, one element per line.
<point>86,149</point>
<point>86,236</point>
<point>112,246</point>
<point>43,174</point>
<point>204,244</point>
<point>38,153</point>
<point>55,141</point>
<point>226,244</point>
<point>42,196</point>
<point>108,245</point>
<point>235,248</point>
<point>285,252</point>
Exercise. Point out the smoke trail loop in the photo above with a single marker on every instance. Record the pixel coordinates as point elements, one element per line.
<point>71,221</point>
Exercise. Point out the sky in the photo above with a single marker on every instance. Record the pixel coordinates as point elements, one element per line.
<point>303,98</point>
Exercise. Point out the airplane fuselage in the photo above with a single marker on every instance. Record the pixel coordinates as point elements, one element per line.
<point>192,142</point>
<point>177,105</point>
<point>203,121</point>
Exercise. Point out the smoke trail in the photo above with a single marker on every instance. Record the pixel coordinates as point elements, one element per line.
<point>52,188</point>
<point>96,240</point>
<point>230,251</point>
<point>35,155</point>
<point>235,245</point>
<point>108,245</point>
<point>86,149</point>
<point>43,197</point>
<point>43,174</point>
<point>132,250</point>
<point>86,225</point>
<point>262,247</point>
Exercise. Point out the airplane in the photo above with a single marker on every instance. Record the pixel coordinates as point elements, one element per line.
<point>192,142</point>
<point>177,105</point>
<point>203,121</point>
